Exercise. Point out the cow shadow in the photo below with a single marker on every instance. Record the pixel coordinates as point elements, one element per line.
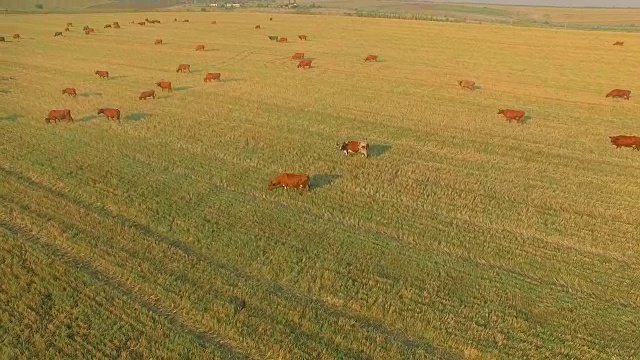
<point>136,116</point>
<point>12,118</point>
<point>118,77</point>
<point>88,118</point>
<point>3,91</point>
<point>229,80</point>
<point>6,78</point>
<point>321,180</point>
<point>197,71</point>
<point>477,87</point>
<point>182,88</point>
<point>207,50</point>
<point>378,150</point>
<point>89,94</point>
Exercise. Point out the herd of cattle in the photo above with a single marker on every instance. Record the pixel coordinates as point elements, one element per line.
<point>293,180</point>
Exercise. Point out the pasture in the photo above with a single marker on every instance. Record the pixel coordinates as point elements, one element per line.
<point>462,236</point>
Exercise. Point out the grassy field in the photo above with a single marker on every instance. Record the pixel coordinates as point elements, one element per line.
<point>461,237</point>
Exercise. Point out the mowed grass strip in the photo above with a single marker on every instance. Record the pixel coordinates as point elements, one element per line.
<point>463,236</point>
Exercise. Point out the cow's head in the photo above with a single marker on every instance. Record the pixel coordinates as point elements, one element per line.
<point>100,111</point>
<point>272,185</point>
<point>342,146</point>
<point>500,111</point>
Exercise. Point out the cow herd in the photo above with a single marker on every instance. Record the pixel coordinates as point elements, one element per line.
<point>294,180</point>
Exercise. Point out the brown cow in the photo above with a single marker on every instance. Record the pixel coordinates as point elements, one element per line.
<point>184,68</point>
<point>175,19</point>
<point>618,43</point>
<point>200,47</point>
<point>291,180</point>
<point>298,56</point>
<point>158,42</point>
<point>164,85</point>
<point>55,115</point>
<point>270,19</point>
<point>2,38</point>
<point>304,63</point>
<point>626,141</point>
<point>371,58</point>
<point>89,31</point>
<point>213,22</point>
<point>67,29</point>
<point>142,23</point>
<point>115,23</point>
<point>147,94</point>
<point>625,94</point>
<point>509,114</point>
<point>257,27</point>
<point>16,36</point>
<point>212,76</point>
<point>353,147</point>
<point>113,114</point>
<point>102,74</point>
<point>69,24</point>
<point>283,39</point>
<point>85,28</point>
<point>70,92</point>
<point>185,20</point>
<point>58,33</point>
<point>108,26</point>
<point>467,84</point>
<point>116,26</point>
<point>302,37</point>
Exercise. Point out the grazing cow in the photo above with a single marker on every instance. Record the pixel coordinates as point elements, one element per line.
<point>16,36</point>
<point>618,43</point>
<point>2,38</point>
<point>302,37</point>
<point>175,19</point>
<point>304,63</point>
<point>291,180</point>
<point>212,76</point>
<point>116,26</point>
<point>273,37</point>
<point>102,74</point>
<point>67,29</point>
<point>371,58</point>
<point>113,114</point>
<point>164,85</point>
<point>158,42</point>
<point>70,92</point>
<point>184,68</point>
<point>625,94</point>
<point>298,56</point>
<point>55,115</point>
<point>626,141</point>
<point>90,31</point>
<point>58,33</point>
<point>115,23</point>
<point>509,114</point>
<point>69,24</point>
<point>142,23</point>
<point>353,147</point>
<point>108,26</point>
<point>283,39</point>
<point>185,20</point>
<point>147,94</point>
<point>85,28</point>
<point>257,27</point>
<point>270,19</point>
<point>467,84</point>
<point>200,48</point>
<point>213,22</point>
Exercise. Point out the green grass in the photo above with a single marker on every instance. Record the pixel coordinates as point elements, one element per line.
<point>464,236</point>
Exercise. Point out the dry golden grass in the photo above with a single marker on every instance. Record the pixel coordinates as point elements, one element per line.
<point>463,236</point>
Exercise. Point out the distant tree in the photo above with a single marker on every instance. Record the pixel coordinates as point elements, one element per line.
<point>39,6</point>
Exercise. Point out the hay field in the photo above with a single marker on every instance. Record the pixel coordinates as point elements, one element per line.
<point>461,237</point>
